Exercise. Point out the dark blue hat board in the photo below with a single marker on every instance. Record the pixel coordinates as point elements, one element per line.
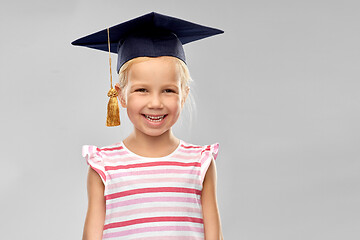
<point>150,35</point>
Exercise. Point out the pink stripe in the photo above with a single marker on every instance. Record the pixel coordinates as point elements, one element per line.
<point>156,171</point>
<point>153,199</point>
<point>130,159</point>
<point>110,149</point>
<point>169,238</point>
<point>117,151</point>
<point>190,150</point>
<point>205,163</point>
<point>153,180</point>
<point>114,154</point>
<point>152,190</point>
<point>216,150</point>
<point>153,164</point>
<point>153,229</point>
<point>183,157</point>
<point>120,160</point>
<point>152,220</point>
<point>208,147</point>
<point>204,157</point>
<point>152,210</point>
<point>191,147</point>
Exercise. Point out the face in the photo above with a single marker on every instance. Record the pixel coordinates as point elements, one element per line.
<point>153,95</point>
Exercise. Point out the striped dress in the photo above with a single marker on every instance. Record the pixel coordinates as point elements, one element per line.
<point>152,198</point>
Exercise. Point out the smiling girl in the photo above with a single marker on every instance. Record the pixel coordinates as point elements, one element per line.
<point>152,185</point>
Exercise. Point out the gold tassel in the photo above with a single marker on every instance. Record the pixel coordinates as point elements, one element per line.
<point>113,112</point>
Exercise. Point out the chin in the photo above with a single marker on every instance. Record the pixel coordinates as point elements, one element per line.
<point>154,133</point>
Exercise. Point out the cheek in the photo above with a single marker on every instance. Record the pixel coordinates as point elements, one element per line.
<point>174,103</point>
<point>134,106</point>
<point>134,100</point>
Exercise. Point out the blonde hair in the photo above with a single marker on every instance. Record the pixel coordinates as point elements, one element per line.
<point>185,79</point>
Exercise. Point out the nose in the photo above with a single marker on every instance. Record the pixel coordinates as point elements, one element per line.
<point>155,101</point>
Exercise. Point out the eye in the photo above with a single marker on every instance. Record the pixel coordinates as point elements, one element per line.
<point>140,90</point>
<point>169,90</point>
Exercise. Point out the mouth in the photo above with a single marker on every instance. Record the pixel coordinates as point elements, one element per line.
<point>154,118</point>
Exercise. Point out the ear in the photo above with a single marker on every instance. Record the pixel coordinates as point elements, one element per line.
<point>186,93</point>
<point>120,96</point>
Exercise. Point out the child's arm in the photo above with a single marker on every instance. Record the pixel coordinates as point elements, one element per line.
<point>95,217</point>
<point>212,225</point>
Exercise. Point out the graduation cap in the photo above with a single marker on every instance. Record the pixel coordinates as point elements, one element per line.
<point>150,35</point>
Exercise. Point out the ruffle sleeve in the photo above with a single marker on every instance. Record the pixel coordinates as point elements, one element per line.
<point>93,157</point>
<point>208,152</point>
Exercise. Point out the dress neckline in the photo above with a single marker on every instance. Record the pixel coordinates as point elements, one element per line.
<point>139,156</point>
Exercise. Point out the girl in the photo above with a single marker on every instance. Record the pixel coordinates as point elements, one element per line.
<point>152,185</point>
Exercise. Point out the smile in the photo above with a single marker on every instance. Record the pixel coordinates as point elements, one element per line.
<point>153,118</point>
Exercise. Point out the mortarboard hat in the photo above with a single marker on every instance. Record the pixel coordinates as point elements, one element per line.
<point>150,35</point>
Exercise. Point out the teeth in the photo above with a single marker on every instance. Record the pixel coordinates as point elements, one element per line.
<point>155,119</point>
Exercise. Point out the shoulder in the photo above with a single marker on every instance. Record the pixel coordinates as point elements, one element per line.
<point>96,157</point>
<point>202,149</point>
<point>95,151</point>
<point>190,146</point>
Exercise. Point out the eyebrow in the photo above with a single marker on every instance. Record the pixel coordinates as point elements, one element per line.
<point>146,85</point>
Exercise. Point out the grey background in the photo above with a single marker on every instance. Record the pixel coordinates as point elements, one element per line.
<point>279,91</point>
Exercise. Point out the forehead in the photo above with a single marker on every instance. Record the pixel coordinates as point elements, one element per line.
<point>160,70</point>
